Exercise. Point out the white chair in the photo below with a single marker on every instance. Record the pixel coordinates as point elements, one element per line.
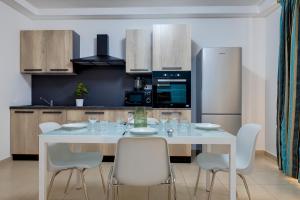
<point>142,161</point>
<point>60,158</point>
<point>246,141</point>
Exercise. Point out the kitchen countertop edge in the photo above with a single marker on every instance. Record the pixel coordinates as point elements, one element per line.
<point>89,108</point>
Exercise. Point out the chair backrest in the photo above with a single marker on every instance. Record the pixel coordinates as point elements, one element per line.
<point>246,142</point>
<point>57,152</point>
<point>49,126</point>
<point>142,161</point>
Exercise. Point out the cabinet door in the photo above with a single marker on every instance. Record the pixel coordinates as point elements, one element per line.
<point>171,47</point>
<point>24,132</point>
<point>32,51</point>
<point>176,149</point>
<point>58,116</point>
<point>59,51</point>
<point>138,51</point>
<point>83,115</point>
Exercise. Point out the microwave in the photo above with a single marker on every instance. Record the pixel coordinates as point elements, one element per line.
<point>171,89</point>
<point>138,98</point>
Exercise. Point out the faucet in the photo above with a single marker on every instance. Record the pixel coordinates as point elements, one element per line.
<point>47,102</point>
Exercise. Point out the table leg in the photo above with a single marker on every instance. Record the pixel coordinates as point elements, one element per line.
<point>232,171</point>
<point>43,174</point>
<point>77,148</point>
<point>207,148</point>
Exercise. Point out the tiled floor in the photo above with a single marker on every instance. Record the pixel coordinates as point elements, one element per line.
<point>19,181</point>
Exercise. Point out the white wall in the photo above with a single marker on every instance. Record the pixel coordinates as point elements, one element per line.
<point>244,32</point>
<point>14,87</point>
<point>272,50</point>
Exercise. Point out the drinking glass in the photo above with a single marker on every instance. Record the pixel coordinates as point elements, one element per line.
<point>163,119</point>
<point>92,121</point>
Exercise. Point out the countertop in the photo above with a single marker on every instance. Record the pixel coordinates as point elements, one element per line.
<point>88,107</point>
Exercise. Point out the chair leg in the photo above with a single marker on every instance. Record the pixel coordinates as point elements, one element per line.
<point>246,185</point>
<point>84,184</point>
<point>212,184</point>
<point>51,183</point>
<point>169,191</point>
<point>108,191</point>
<point>102,179</point>
<point>197,182</point>
<point>117,192</point>
<point>148,192</point>
<point>175,191</point>
<point>68,183</point>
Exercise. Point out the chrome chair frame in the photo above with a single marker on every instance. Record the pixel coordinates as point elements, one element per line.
<point>214,172</point>
<point>112,184</point>
<point>83,182</point>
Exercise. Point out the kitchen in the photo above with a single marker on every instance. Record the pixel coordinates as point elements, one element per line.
<point>138,57</point>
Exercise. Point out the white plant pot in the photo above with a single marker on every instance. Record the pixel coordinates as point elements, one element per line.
<point>79,102</point>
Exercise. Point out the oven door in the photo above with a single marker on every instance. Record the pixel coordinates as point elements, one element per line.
<point>171,93</point>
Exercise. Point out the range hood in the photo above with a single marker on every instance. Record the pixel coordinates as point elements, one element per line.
<point>102,58</point>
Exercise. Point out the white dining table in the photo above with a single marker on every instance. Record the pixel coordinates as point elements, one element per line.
<point>111,136</point>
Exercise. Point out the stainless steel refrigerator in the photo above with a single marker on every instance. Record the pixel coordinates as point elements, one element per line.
<point>219,88</point>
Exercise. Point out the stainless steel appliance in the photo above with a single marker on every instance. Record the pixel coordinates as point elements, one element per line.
<point>171,89</point>
<point>219,87</point>
<point>138,98</point>
<point>139,83</point>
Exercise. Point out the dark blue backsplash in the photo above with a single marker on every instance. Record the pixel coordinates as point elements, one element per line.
<point>106,87</point>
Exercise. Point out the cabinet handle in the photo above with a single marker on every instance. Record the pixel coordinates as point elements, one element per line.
<point>172,68</point>
<point>32,70</point>
<point>23,111</point>
<point>94,113</point>
<point>139,70</point>
<point>59,70</point>
<point>169,113</point>
<point>52,112</point>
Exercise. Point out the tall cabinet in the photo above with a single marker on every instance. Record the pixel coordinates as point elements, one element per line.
<point>171,47</point>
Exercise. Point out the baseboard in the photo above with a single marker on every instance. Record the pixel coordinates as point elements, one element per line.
<point>173,159</point>
<point>265,153</point>
<point>6,159</point>
<point>25,157</point>
<point>269,155</point>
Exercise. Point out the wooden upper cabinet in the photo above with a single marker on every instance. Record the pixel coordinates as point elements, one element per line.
<point>59,51</point>
<point>33,51</point>
<point>48,51</point>
<point>138,51</point>
<point>24,132</point>
<point>171,47</point>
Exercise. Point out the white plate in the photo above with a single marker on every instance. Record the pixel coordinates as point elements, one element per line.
<point>143,131</point>
<point>75,125</point>
<point>150,121</point>
<point>207,126</point>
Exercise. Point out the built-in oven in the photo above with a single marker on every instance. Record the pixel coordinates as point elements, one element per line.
<point>171,89</point>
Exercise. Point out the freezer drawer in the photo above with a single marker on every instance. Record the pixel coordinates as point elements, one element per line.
<point>230,123</point>
<point>221,80</point>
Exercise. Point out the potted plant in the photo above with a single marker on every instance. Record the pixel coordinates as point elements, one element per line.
<point>80,92</point>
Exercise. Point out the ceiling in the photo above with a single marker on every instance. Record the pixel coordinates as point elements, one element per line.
<point>142,9</point>
<point>46,4</point>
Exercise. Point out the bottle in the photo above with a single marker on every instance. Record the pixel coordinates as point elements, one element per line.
<point>140,117</point>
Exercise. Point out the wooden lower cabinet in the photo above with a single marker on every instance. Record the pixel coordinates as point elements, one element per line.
<point>24,132</point>
<point>176,149</point>
<point>84,115</point>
